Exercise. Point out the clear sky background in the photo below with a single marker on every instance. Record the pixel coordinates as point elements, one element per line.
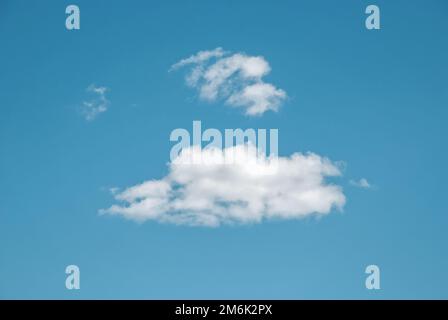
<point>376,100</point>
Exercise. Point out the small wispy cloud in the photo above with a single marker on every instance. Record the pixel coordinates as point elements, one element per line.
<point>236,78</point>
<point>361,183</point>
<point>98,102</point>
<point>199,58</point>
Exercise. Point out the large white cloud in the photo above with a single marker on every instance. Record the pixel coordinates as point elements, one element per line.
<point>250,189</point>
<point>235,78</point>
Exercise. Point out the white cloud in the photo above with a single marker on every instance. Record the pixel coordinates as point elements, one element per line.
<point>199,57</point>
<point>235,78</point>
<point>241,192</point>
<point>97,104</point>
<point>361,183</point>
<point>258,98</point>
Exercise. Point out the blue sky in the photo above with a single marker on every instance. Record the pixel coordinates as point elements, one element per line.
<point>375,100</point>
